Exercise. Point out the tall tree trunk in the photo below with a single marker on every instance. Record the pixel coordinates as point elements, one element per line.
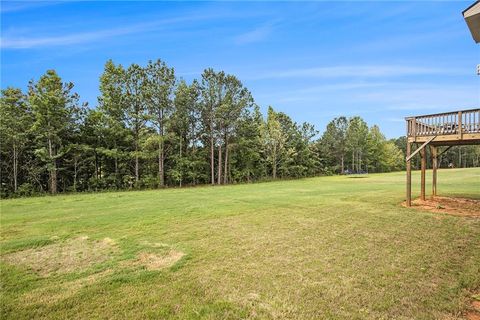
<point>212,160</point>
<point>54,177</point>
<point>53,169</point>
<point>136,162</point>
<point>229,172</point>
<point>116,170</point>
<point>343,169</point>
<point>116,162</point>
<point>96,164</point>
<point>274,163</point>
<point>359,166</point>
<point>180,153</point>
<point>75,173</point>
<point>161,153</point>
<point>160,169</point>
<point>15,167</point>
<point>353,160</point>
<point>219,174</point>
<point>225,173</point>
<point>357,159</point>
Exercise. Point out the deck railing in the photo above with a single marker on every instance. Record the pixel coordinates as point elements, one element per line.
<point>459,122</point>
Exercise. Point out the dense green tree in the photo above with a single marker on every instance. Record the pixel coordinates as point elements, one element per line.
<point>15,123</point>
<point>94,135</point>
<point>184,124</point>
<point>274,140</point>
<point>136,115</point>
<point>212,90</point>
<point>391,158</point>
<point>158,94</point>
<point>307,159</point>
<point>233,107</point>
<point>112,103</point>
<point>248,163</point>
<point>56,112</point>
<point>356,137</point>
<point>376,149</point>
<point>334,142</point>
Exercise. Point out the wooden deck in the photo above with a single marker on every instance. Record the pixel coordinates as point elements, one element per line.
<point>449,128</point>
<point>436,130</point>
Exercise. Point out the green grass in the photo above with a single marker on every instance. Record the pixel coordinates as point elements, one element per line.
<point>330,247</point>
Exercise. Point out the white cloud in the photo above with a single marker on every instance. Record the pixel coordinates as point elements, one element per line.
<point>14,6</point>
<point>25,42</point>
<point>255,35</point>
<point>369,71</point>
<point>389,98</point>
<point>315,93</point>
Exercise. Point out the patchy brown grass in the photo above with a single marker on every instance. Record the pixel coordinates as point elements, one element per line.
<point>474,313</point>
<point>63,257</point>
<point>155,261</point>
<point>61,291</point>
<point>453,206</point>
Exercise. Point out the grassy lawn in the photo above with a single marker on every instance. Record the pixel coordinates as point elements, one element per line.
<point>329,247</point>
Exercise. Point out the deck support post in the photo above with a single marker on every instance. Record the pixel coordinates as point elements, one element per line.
<point>423,154</point>
<point>433,151</point>
<point>409,175</point>
<point>445,129</point>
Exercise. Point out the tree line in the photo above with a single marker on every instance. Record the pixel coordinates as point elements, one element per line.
<point>152,129</point>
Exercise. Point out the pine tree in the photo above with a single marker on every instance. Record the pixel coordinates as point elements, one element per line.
<point>157,93</point>
<point>55,111</point>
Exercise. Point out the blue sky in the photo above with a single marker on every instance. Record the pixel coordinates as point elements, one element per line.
<point>313,60</point>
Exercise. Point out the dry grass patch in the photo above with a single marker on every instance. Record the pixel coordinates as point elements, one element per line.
<point>474,312</point>
<point>155,261</point>
<point>63,257</point>
<point>454,206</point>
<point>472,315</point>
<point>61,291</point>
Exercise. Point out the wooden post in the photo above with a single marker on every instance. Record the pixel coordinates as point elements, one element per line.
<point>409,175</point>
<point>433,151</point>
<point>414,128</point>
<point>460,130</point>
<point>423,154</point>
